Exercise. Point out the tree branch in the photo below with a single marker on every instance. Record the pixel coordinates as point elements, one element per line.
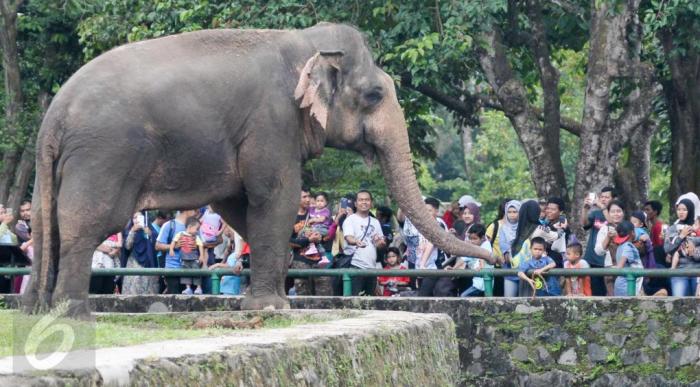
<point>549,75</point>
<point>464,108</point>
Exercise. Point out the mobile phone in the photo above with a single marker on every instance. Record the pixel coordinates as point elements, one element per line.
<point>591,196</point>
<point>139,220</point>
<point>344,203</point>
<point>562,219</point>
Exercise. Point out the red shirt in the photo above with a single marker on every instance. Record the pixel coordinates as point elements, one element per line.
<point>448,218</point>
<point>399,280</point>
<point>656,237</point>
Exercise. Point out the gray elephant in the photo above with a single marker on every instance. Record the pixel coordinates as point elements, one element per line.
<point>226,117</point>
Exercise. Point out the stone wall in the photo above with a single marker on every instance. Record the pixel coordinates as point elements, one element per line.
<point>541,342</point>
<point>368,348</point>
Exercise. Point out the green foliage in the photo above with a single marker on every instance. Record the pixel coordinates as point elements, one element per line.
<point>340,172</point>
<point>498,167</point>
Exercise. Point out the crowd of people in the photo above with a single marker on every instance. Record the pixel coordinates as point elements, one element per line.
<point>532,236</point>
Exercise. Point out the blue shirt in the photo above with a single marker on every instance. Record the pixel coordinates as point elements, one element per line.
<point>166,237</point>
<point>630,253</point>
<point>552,281</point>
<point>231,284</point>
<point>473,263</point>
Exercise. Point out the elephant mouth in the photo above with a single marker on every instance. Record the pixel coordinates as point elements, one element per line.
<point>367,150</point>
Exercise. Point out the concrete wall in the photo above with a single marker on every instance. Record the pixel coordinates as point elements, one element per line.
<point>542,342</point>
<point>363,348</point>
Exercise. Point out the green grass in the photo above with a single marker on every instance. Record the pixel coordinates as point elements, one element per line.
<point>113,330</point>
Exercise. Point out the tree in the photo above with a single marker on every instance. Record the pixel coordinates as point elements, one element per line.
<point>43,51</point>
<point>673,27</point>
<point>13,95</point>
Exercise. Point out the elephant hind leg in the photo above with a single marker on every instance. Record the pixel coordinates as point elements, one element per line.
<point>90,208</point>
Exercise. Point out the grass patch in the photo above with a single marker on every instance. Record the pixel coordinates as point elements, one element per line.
<point>115,330</point>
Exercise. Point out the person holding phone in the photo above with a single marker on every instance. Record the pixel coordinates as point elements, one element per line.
<point>678,240</point>
<point>139,252</point>
<point>594,216</point>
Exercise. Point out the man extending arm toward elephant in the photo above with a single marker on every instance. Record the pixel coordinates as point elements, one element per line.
<point>363,235</point>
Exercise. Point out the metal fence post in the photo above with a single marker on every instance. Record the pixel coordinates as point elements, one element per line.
<point>347,285</point>
<point>215,283</point>
<point>488,285</point>
<point>631,284</point>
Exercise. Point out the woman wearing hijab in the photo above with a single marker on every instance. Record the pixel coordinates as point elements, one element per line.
<point>139,252</point>
<point>494,228</point>
<point>678,240</point>
<point>509,228</point>
<point>528,221</point>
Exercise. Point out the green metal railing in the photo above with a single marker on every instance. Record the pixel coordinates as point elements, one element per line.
<point>346,275</point>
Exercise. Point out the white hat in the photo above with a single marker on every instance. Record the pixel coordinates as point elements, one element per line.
<point>468,199</point>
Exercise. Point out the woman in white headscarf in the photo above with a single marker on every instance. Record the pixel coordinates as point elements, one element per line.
<point>693,198</point>
<point>509,229</point>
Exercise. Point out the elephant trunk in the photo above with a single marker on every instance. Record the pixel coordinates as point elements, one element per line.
<point>398,170</point>
<point>394,153</point>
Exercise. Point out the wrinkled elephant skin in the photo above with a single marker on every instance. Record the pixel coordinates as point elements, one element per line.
<point>219,116</point>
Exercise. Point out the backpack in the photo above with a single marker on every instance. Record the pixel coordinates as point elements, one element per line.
<point>441,255</point>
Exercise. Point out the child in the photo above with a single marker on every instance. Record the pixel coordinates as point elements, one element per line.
<point>212,226</point>
<point>540,264</point>
<point>476,235</point>
<point>626,256</point>
<point>191,253</point>
<point>320,221</point>
<point>638,220</point>
<point>576,286</point>
<point>392,285</point>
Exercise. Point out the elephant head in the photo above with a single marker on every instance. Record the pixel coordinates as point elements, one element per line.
<point>352,103</point>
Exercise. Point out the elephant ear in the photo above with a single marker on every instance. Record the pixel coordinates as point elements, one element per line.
<point>317,84</point>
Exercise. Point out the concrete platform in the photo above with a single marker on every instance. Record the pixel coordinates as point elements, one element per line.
<point>369,348</point>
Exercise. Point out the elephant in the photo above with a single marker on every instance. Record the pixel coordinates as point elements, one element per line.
<point>226,117</point>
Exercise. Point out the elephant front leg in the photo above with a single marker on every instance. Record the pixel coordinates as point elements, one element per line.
<point>269,226</point>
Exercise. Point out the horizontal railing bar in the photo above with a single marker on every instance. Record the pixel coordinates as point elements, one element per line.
<point>664,273</point>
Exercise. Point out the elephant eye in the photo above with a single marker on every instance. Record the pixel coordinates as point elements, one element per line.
<point>373,96</point>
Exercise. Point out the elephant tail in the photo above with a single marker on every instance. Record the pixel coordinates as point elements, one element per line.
<point>47,146</point>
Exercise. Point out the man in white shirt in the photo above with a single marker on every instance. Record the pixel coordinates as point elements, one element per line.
<point>363,235</point>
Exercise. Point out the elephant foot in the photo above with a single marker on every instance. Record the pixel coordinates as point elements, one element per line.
<point>36,302</point>
<point>73,307</point>
<point>267,302</point>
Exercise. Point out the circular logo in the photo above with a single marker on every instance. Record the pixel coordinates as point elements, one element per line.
<point>538,283</point>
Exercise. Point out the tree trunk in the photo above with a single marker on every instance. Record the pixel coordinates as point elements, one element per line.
<point>682,95</point>
<point>633,178</point>
<point>13,90</point>
<point>612,57</point>
<point>543,154</point>
<point>467,145</point>
<point>23,175</point>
